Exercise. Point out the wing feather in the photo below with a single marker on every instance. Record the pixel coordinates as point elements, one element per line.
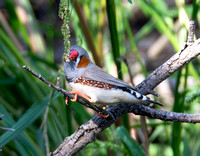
<point>97,74</point>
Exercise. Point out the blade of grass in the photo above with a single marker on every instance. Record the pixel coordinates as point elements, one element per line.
<point>110,7</point>
<point>160,24</point>
<point>195,9</point>
<point>25,121</point>
<point>146,29</point>
<point>69,119</point>
<point>80,110</point>
<point>15,23</point>
<point>177,126</point>
<point>22,150</point>
<point>132,146</point>
<point>22,139</point>
<point>37,43</point>
<point>53,130</point>
<point>111,13</point>
<point>29,144</point>
<point>8,42</point>
<point>86,32</point>
<point>134,47</point>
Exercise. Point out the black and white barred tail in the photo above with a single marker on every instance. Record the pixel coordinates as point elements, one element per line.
<point>144,99</point>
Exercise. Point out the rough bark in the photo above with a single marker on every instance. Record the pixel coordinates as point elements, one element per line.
<point>87,132</point>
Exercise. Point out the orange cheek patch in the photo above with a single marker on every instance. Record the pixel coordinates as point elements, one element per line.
<point>83,62</point>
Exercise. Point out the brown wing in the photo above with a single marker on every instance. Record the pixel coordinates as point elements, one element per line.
<point>97,74</point>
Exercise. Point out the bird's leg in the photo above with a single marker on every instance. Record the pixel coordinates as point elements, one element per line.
<point>99,114</point>
<point>76,93</point>
<point>66,100</point>
<point>102,116</point>
<point>102,106</point>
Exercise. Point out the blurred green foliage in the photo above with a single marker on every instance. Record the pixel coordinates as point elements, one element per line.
<point>38,113</point>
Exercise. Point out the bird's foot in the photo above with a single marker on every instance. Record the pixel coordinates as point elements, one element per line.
<point>99,114</point>
<point>102,116</point>
<point>66,100</point>
<point>102,106</point>
<point>76,93</point>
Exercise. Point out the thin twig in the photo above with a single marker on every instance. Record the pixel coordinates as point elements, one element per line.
<point>125,60</point>
<point>67,94</point>
<point>190,39</point>
<point>5,128</point>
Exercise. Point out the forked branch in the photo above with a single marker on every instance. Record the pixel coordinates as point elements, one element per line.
<point>87,132</point>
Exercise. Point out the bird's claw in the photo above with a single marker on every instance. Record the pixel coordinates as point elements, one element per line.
<point>102,116</point>
<point>102,107</point>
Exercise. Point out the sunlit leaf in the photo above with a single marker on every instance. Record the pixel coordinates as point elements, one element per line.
<point>132,146</point>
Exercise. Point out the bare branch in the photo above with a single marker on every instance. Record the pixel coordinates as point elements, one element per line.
<point>190,39</point>
<point>64,92</point>
<point>171,66</point>
<point>88,131</point>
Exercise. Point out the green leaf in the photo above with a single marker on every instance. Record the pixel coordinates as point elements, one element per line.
<point>23,138</point>
<point>130,1</point>
<point>132,146</point>
<point>160,23</point>
<point>25,121</point>
<point>21,148</point>
<point>111,12</point>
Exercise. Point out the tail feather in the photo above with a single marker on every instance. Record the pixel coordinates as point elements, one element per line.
<point>151,101</point>
<point>144,99</point>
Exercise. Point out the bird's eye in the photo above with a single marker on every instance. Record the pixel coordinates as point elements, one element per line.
<point>73,55</point>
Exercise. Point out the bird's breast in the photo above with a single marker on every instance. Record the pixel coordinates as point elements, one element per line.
<point>104,95</point>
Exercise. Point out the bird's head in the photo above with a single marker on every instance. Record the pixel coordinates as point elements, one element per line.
<point>79,56</point>
<point>76,62</point>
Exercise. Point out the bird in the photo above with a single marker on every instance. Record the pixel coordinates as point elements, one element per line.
<point>97,86</point>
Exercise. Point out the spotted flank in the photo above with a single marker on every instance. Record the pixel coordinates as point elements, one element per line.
<point>116,94</point>
<point>146,100</point>
<point>97,84</point>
